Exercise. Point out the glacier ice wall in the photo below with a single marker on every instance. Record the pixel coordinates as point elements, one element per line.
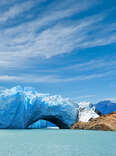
<point>21,107</point>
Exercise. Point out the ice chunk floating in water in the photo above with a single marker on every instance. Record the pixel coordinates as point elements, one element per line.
<point>19,108</point>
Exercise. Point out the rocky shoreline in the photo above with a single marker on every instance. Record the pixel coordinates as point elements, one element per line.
<point>103,122</point>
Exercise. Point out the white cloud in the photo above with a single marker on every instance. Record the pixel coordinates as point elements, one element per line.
<point>92,65</point>
<point>85,97</point>
<point>19,44</point>
<point>2,88</point>
<point>23,42</point>
<point>15,10</point>
<point>29,78</point>
<point>110,99</point>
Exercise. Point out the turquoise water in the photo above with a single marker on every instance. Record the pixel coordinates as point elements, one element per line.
<point>57,143</point>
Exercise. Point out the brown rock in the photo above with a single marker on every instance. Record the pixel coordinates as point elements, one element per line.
<point>104,122</point>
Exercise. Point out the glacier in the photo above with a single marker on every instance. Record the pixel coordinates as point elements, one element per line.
<point>86,112</point>
<point>21,107</point>
<point>25,107</point>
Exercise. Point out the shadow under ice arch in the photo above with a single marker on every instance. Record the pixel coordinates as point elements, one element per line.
<point>19,108</point>
<point>55,120</point>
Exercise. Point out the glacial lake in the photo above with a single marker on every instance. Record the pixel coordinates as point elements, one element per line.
<point>45,142</point>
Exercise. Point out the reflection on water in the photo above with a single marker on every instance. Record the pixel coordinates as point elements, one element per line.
<point>57,143</point>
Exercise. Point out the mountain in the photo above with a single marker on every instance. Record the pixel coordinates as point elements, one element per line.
<point>104,122</point>
<point>86,112</point>
<point>105,107</point>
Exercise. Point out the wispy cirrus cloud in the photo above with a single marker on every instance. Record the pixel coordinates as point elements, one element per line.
<point>104,65</point>
<point>2,88</point>
<point>15,11</point>
<point>113,99</point>
<point>56,29</point>
<point>23,42</point>
<point>29,78</point>
<point>85,97</point>
<point>92,65</point>
<point>28,40</point>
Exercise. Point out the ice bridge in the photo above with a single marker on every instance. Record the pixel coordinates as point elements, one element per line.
<point>21,107</point>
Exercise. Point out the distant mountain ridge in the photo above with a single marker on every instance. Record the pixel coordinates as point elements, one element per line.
<point>105,121</point>
<point>105,107</point>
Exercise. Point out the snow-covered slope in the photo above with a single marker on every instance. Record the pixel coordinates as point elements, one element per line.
<point>86,112</point>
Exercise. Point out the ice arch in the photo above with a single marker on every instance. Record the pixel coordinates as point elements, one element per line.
<point>20,108</point>
<point>43,124</point>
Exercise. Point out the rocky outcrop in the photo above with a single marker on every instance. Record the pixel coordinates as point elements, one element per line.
<point>104,122</point>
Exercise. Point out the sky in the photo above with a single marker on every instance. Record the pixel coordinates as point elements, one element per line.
<point>64,47</point>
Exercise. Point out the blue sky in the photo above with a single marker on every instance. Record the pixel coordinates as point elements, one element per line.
<point>59,47</point>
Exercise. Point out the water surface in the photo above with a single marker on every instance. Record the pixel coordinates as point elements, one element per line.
<point>57,143</point>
